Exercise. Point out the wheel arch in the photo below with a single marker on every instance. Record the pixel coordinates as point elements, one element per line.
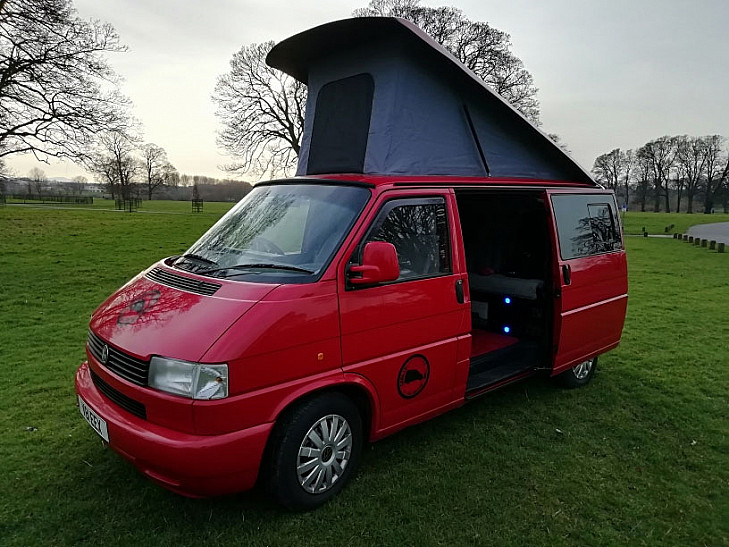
<point>356,387</point>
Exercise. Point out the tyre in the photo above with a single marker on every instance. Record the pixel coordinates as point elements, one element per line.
<point>314,452</point>
<point>579,375</point>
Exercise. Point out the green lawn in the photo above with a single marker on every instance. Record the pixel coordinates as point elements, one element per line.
<point>656,223</point>
<point>154,206</point>
<point>641,456</point>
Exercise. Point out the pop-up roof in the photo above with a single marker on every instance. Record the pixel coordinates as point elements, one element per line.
<point>385,98</point>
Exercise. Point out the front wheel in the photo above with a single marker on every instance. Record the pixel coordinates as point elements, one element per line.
<point>314,452</point>
<point>579,375</point>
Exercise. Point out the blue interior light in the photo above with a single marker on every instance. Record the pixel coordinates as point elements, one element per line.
<point>507,330</point>
<point>507,300</point>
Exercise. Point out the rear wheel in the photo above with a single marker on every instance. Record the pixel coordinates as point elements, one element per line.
<point>579,375</point>
<point>314,452</point>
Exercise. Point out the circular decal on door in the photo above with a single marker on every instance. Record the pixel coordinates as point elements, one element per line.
<point>413,376</point>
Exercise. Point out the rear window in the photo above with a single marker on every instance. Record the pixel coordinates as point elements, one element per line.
<point>586,225</point>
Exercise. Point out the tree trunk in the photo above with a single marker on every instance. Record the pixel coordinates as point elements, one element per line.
<point>708,202</point>
<point>690,203</point>
<point>665,195</point>
<point>642,194</point>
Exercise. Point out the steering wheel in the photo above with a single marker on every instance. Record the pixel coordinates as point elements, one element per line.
<point>260,243</point>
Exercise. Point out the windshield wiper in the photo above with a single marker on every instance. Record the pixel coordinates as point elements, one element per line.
<point>257,265</point>
<point>199,258</point>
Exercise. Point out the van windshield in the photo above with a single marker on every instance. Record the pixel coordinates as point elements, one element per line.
<point>282,233</point>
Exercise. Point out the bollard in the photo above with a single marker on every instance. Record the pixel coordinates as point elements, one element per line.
<point>712,245</point>
<point>685,237</point>
<point>704,242</point>
<point>691,239</point>
<point>720,247</point>
<point>675,236</point>
<point>697,241</point>
<point>645,234</point>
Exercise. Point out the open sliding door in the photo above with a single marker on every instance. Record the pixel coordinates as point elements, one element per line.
<point>590,277</point>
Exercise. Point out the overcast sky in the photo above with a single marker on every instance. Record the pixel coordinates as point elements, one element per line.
<point>610,73</point>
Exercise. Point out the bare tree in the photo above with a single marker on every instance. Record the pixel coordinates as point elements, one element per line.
<point>4,174</point>
<point>559,142</point>
<point>717,168</point>
<point>614,170</point>
<point>628,168</point>
<point>644,172</point>
<point>691,159</point>
<point>483,49</point>
<point>39,179</point>
<point>78,185</point>
<point>156,167</point>
<point>57,90</point>
<point>608,168</point>
<point>262,110</point>
<point>660,155</point>
<point>115,163</point>
<point>171,176</point>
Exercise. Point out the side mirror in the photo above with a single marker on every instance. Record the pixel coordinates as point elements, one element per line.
<point>379,264</point>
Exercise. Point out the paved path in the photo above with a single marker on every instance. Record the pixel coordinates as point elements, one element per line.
<point>718,231</point>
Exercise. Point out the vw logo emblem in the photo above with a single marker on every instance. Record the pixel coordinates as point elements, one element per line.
<point>105,354</point>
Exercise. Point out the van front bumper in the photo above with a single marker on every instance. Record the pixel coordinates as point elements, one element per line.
<point>191,465</point>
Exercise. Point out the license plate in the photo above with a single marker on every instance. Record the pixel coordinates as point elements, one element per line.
<point>94,420</point>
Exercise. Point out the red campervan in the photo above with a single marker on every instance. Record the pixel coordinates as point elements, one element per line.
<point>328,310</point>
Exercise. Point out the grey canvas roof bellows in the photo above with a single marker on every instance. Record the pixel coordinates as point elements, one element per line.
<point>385,98</point>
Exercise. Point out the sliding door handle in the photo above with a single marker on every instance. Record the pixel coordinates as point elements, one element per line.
<point>460,297</point>
<point>566,274</point>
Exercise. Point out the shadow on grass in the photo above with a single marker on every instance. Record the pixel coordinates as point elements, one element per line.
<point>112,500</point>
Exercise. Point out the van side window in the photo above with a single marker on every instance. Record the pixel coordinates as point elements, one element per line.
<point>585,225</point>
<point>418,228</point>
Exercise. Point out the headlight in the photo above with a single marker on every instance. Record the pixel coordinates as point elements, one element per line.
<point>193,380</point>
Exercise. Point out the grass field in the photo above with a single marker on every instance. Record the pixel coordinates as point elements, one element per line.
<point>154,206</point>
<point>656,223</point>
<point>640,456</point>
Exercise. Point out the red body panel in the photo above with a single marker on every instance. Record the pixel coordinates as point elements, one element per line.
<point>590,312</point>
<point>283,342</point>
<point>384,326</point>
<point>171,322</point>
<point>188,464</point>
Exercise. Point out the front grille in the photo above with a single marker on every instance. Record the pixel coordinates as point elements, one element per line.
<point>115,396</point>
<point>128,367</point>
<point>182,282</point>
